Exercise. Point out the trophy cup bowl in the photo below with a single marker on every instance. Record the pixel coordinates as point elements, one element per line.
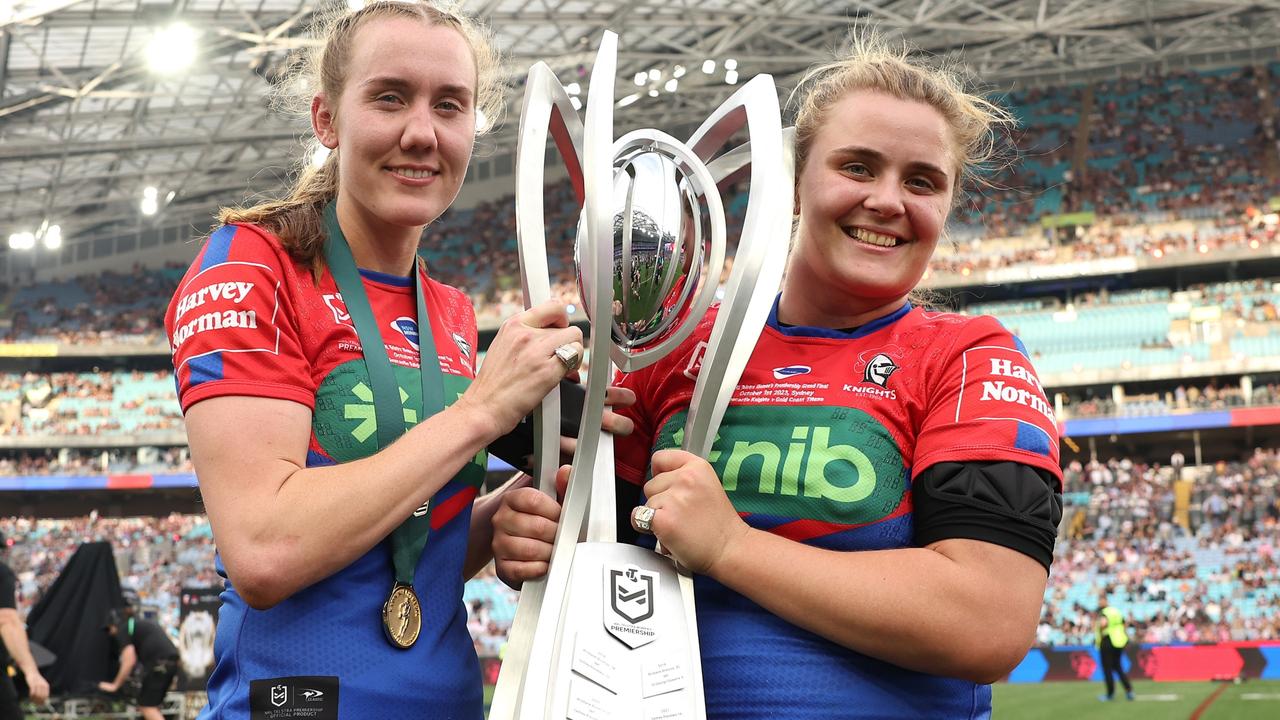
<point>657,261</point>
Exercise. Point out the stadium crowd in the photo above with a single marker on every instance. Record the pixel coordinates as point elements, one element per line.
<point>1179,399</point>
<point>1213,580</point>
<point>155,556</point>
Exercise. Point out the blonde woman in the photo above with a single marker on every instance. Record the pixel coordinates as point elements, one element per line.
<point>338,461</point>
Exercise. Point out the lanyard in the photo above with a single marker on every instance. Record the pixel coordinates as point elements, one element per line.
<point>410,538</point>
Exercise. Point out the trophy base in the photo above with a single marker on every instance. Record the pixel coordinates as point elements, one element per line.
<point>625,650</point>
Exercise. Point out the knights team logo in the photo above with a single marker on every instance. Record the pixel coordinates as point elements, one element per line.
<point>464,347</point>
<point>879,369</point>
<point>279,695</point>
<point>632,595</point>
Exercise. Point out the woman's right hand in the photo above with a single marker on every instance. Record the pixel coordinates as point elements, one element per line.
<point>524,530</point>
<point>521,366</point>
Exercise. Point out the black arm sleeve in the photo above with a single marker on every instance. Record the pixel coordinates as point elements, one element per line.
<point>1005,503</point>
<point>8,589</point>
<point>516,447</point>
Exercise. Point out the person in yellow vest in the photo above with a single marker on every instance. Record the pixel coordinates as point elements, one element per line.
<point>1112,638</point>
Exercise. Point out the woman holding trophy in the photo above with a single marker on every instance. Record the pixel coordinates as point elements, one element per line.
<point>872,530</point>
<point>337,469</point>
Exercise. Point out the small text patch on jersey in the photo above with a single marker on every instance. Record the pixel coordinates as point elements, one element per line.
<point>335,303</point>
<point>999,384</point>
<point>790,371</point>
<point>695,361</point>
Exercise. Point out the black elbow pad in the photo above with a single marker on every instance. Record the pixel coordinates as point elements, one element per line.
<point>1007,503</point>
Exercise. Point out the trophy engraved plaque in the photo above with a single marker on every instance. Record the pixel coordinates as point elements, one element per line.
<point>611,633</point>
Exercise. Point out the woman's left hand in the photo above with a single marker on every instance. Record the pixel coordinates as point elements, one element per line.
<point>612,423</point>
<point>693,519</point>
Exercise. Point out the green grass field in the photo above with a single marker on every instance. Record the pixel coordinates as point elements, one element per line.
<point>1254,700</point>
<point>1251,700</point>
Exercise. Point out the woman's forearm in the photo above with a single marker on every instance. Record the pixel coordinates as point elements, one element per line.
<point>961,608</point>
<point>266,521</point>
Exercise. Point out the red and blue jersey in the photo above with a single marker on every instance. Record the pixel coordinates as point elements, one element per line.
<point>820,444</point>
<point>249,320</point>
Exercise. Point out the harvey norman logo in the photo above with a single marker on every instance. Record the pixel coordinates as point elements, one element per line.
<point>999,383</point>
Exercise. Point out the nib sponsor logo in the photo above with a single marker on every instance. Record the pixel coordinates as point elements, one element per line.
<point>783,373</point>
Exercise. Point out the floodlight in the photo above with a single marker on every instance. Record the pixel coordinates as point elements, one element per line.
<point>628,99</point>
<point>172,49</point>
<point>53,237</point>
<point>22,241</point>
<point>731,77</point>
<point>671,85</point>
<point>708,66</point>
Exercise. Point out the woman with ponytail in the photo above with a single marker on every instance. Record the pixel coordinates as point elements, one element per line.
<point>336,418</point>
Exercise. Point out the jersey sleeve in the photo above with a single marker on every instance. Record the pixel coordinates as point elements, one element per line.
<point>8,591</point>
<point>230,324</point>
<point>631,452</point>
<point>987,404</point>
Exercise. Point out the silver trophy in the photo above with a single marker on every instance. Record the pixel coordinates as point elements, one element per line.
<point>610,633</point>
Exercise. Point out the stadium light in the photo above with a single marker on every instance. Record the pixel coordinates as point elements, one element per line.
<point>730,64</point>
<point>641,79</point>
<point>22,241</point>
<point>573,89</point>
<point>53,237</point>
<point>577,104</point>
<point>731,77</point>
<point>172,49</point>
<point>149,204</point>
<point>655,74</point>
<point>708,67</point>
<point>653,92</point>
<point>678,71</point>
<point>628,99</point>
<point>671,85</point>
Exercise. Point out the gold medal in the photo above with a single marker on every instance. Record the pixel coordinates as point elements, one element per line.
<point>402,617</point>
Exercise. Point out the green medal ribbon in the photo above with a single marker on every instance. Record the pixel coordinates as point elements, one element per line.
<point>410,538</point>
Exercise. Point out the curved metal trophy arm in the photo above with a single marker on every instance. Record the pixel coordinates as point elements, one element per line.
<point>547,108</point>
<point>761,257</point>
<point>595,449</point>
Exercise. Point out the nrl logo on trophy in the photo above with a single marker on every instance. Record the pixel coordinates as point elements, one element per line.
<point>631,598</point>
<point>650,254</point>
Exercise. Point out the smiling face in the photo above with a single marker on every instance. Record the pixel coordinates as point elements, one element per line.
<point>404,124</point>
<point>873,197</point>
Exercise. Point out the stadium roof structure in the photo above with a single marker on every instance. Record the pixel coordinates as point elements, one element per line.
<point>85,124</point>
